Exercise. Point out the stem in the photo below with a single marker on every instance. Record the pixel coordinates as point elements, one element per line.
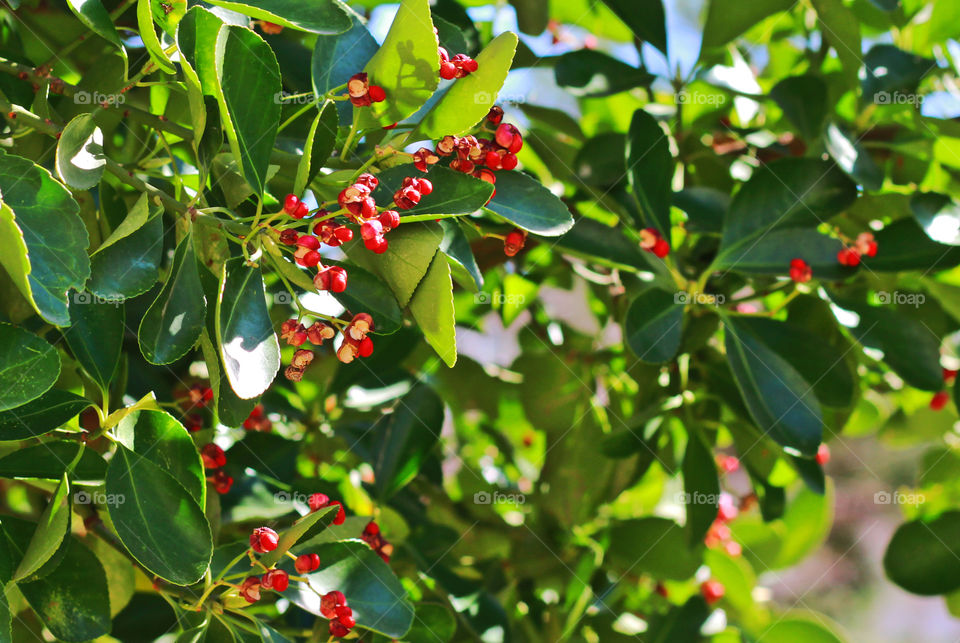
<point>428,217</point>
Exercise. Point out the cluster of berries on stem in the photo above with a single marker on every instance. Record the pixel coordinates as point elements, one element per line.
<point>333,605</point>
<point>940,398</point>
<point>652,241</point>
<point>851,253</point>
<point>373,537</point>
<point>215,459</point>
<point>356,342</point>
<point>719,534</point>
<point>362,93</point>
<point>258,420</point>
<point>459,66</point>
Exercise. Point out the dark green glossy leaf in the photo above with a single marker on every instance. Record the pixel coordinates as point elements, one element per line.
<point>248,87</point>
<point>656,546</point>
<point>50,461</point>
<point>248,345</point>
<point>80,159</point>
<point>780,401</point>
<point>525,202</point>
<point>853,158</point>
<point>158,521</point>
<point>158,437</point>
<point>377,598</point>
<point>654,325</point>
<point>432,309</point>
<point>405,65</point>
<point>366,293</point>
<point>727,19</point>
<point>48,412</point>
<point>604,244</point>
<point>95,336</point>
<point>318,16</point>
<point>701,488</point>
<point>136,245</point>
<point>432,622</point>
<point>405,438</point>
<point>705,207</point>
<point>924,557</point>
<point>453,192</point>
<point>52,528</point>
<point>337,58</point>
<point>468,100</point>
<point>771,254</point>
<point>457,248</point>
<point>592,74</point>
<point>903,245</point>
<point>803,100</point>
<point>938,215</point>
<point>888,69</point>
<point>172,324</point>
<point>29,366</point>
<point>645,18</point>
<point>602,160</point>
<point>45,261</point>
<point>650,168</point>
<point>681,624</point>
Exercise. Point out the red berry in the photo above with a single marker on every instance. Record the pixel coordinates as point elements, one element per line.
<point>338,629</point>
<point>307,563</point>
<point>371,230</point>
<point>823,454</point>
<point>389,219</point>
<point>372,529</point>
<point>448,71</point>
<point>712,591</point>
<point>661,248</point>
<point>366,347</point>
<point>221,481</point>
<point>213,456</point>
<point>495,115</point>
<point>345,616</point>
<point>800,271</point>
<point>290,204</point>
<point>939,400</point>
<point>649,238</point>
<point>376,93</point>
<point>423,186</point>
<point>343,234</point>
<point>263,539</point>
<point>250,589</point>
<point>509,138</point>
<point>509,161</point>
<point>288,237</point>
<point>848,257</point>
<point>865,244</point>
<point>308,241</point>
<point>949,375</point>
<point>318,501</point>
<point>302,211</point>
<point>276,579</point>
<point>341,514</point>
<point>514,242</point>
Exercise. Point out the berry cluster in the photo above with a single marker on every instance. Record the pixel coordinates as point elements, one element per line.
<point>318,501</point>
<point>652,241</point>
<point>356,342</point>
<point>214,458</point>
<point>459,66</point>
<point>372,536</point>
<point>258,420</point>
<point>362,93</point>
<point>940,398</point>
<point>863,245</point>
<point>333,605</point>
<point>263,540</point>
<point>361,207</point>
<point>514,242</point>
<point>719,534</point>
<point>727,463</point>
<point>191,400</point>
<point>409,194</point>
<point>800,271</point>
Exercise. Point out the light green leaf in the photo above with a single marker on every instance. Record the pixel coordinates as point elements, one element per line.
<point>318,16</point>
<point>80,158</point>
<point>432,308</point>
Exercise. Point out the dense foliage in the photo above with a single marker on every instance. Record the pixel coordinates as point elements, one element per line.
<point>305,336</point>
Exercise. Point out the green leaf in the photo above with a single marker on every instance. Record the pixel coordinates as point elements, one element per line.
<point>727,19</point>
<point>888,69</point>
<point>803,100</point>
<point>248,90</point>
<point>646,19</point>
<point>771,253</point>
<point>905,246</point>
<point>650,170</point>
<point>303,529</point>
<point>157,520</point>
<point>806,524</point>
<point>525,202</point>
<point>457,248</point>
<point>80,158</point>
<point>248,345</point>
<point>92,14</point>
<point>160,438</point>
<point>51,460</point>
<point>168,14</point>
<point>681,624</point>
<point>853,158</point>
<point>172,324</point>
<point>841,28</point>
<point>814,360</point>
<point>909,347</point>
<point>656,546</point>
<point>468,100</point>
<point>317,16</point>
<point>317,149</point>
<point>29,366</point>
<point>95,337</point>
<point>602,161</point>
<point>377,598</point>
<point>196,40</point>
<point>46,413</point>
<point>796,628</point>
<point>337,58</point>
<point>453,192</point>
<point>52,528</point>
<point>405,66</point>
<point>366,293</point>
<point>73,603</point>
<point>653,326</point>
<point>137,246</point>
<point>228,409</point>
<point>604,244</point>
<point>592,74</point>
<point>938,215</point>
<point>404,264</point>
<point>923,557</point>
<point>780,401</point>
<point>432,622</point>
<point>432,309</point>
<point>404,439</point>
<point>45,261</point>
<point>533,17</point>
<point>148,34</point>
<point>784,194</point>
<point>701,487</point>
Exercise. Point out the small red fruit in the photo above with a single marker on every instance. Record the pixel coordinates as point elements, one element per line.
<point>307,563</point>
<point>318,501</point>
<point>514,242</point>
<point>939,400</point>
<point>263,539</point>
<point>823,454</point>
<point>276,579</point>
<point>661,248</point>
<point>800,271</point>
<point>712,591</point>
<point>250,589</point>
<point>213,456</point>
<point>848,257</point>
<point>290,204</point>
<point>221,481</point>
